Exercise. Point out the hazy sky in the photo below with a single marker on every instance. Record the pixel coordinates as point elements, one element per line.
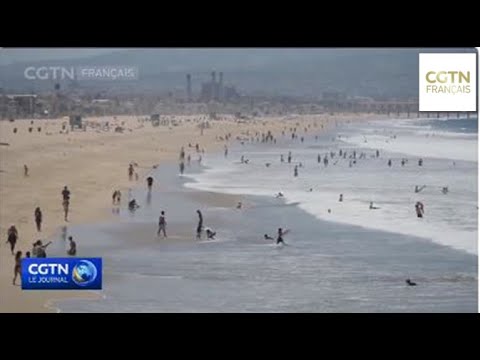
<point>11,55</point>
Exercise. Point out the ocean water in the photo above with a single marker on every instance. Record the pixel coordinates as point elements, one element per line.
<point>449,156</point>
<point>349,260</point>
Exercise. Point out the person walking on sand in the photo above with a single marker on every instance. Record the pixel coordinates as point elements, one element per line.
<point>38,219</point>
<point>162,224</point>
<point>200,224</point>
<point>72,251</point>
<point>130,172</point>
<point>66,201</point>
<point>25,170</point>
<point>149,183</point>
<point>12,237</point>
<point>17,268</point>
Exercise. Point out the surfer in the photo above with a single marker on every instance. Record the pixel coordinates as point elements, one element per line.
<point>239,205</point>
<point>410,282</point>
<point>279,195</point>
<point>267,237</point>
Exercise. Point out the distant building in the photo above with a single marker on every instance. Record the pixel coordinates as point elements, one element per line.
<point>217,91</point>
<point>18,105</point>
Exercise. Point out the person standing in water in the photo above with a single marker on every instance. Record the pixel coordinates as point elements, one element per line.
<point>377,153</point>
<point>389,162</point>
<point>295,171</point>
<point>281,158</point>
<point>200,224</point>
<point>149,183</point>
<point>289,157</point>
<point>319,158</point>
<point>162,224</point>
<point>226,151</point>
<point>340,199</point>
<point>72,251</point>
<point>66,201</point>
<point>419,209</point>
<point>38,219</point>
<point>280,235</point>
<point>182,167</point>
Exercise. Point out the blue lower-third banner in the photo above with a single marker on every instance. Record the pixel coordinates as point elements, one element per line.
<point>61,273</point>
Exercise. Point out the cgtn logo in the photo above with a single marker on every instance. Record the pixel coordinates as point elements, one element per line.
<point>448,82</point>
<point>61,273</point>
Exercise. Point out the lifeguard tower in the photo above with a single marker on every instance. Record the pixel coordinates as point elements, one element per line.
<point>76,123</point>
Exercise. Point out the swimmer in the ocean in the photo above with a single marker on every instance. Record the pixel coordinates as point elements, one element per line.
<point>279,195</point>
<point>371,207</point>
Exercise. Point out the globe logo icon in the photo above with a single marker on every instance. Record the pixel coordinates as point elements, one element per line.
<point>84,273</point>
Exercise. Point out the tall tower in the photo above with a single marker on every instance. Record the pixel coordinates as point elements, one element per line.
<point>213,87</point>
<point>220,86</point>
<point>189,87</point>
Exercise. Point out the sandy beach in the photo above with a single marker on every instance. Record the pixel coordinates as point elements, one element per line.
<point>93,163</point>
